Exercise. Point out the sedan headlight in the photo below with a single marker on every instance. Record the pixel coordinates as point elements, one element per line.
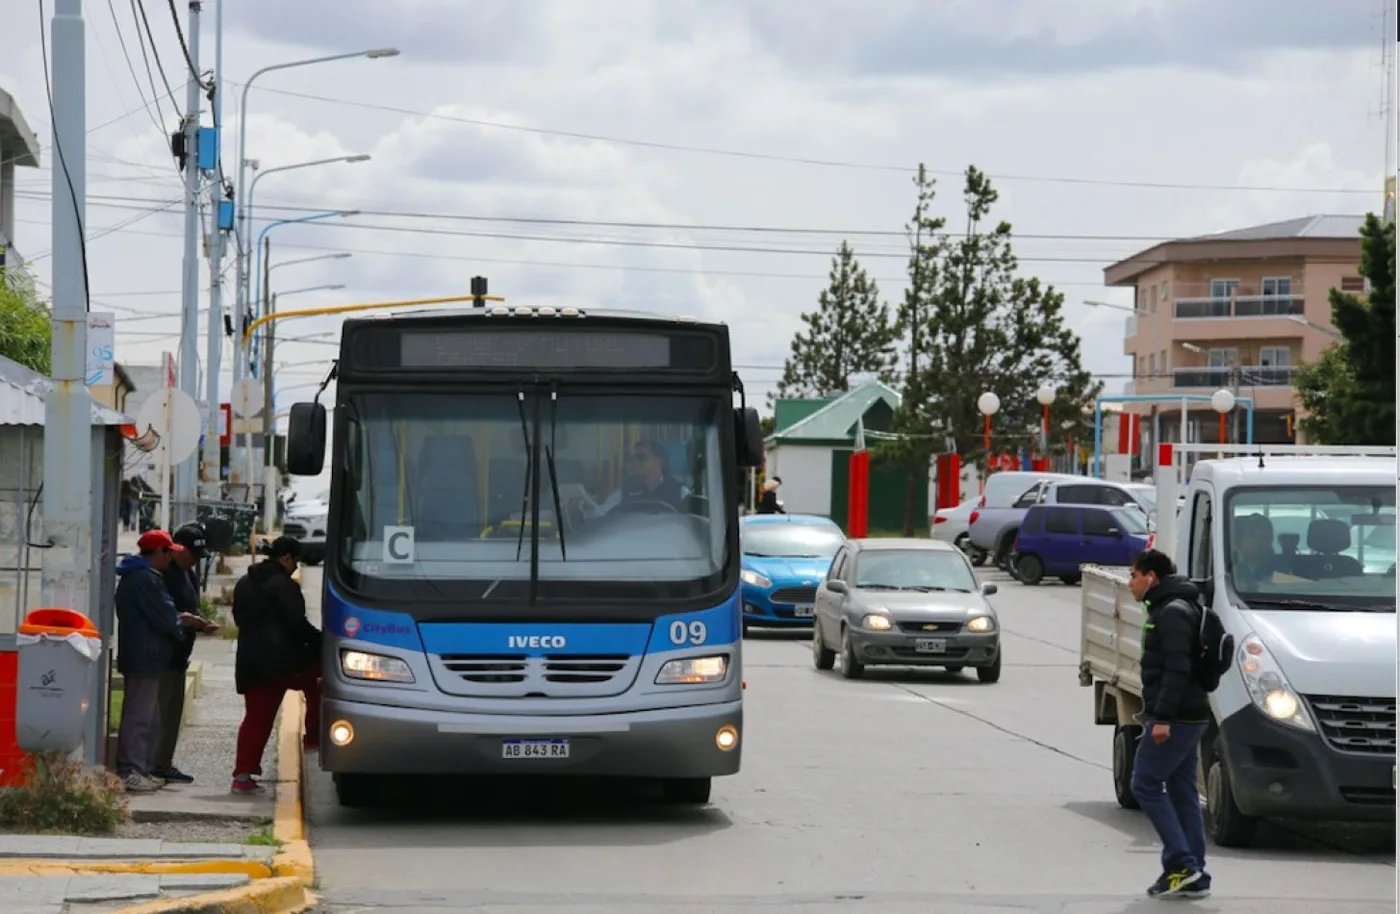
<point>980,624</point>
<point>754,579</point>
<point>876,623</point>
<point>374,667</point>
<point>693,670</point>
<point>1267,686</point>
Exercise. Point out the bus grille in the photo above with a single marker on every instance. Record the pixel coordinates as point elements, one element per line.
<point>1365,726</point>
<point>523,676</point>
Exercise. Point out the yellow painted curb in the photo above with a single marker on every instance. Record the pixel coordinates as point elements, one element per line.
<point>266,896</point>
<point>209,867</point>
<point>294,859</point>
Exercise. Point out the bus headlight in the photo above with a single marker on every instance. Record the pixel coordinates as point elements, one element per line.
<point>1268,688</point>
<point>374,667</point>
<point>693,670</point>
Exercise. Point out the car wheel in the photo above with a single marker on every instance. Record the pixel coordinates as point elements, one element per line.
<point>1226,825</point>
<point>992,672</point>
<point>851,668</point>
<point>823,657</point>
<point>978,557</point>
<point>691,791</point>
<point>1125,744</point>
<point>961,541</point>
<point>1029,569</point>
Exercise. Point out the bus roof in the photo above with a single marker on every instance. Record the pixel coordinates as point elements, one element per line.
<point>490,313</point>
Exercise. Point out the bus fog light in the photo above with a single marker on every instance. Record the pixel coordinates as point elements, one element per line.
<point>374,667</point>
<point>342,733</point>
<point>693,670</point>
<point>726,737</point>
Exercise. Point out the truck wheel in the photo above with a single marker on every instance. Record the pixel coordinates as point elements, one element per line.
<point>851,668</point>
<point>1029,569</point>
<point>992,673</point>
<point>1226,825</point>
<point>1125,745</point>
<point>691,791</point>
<point>823,657</point>
<point>357,791</point>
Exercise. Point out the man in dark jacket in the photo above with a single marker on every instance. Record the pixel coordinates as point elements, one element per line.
<point>150,631</point>
<point>1176,714</point>
<point>278,649</point>
<point>182,581</point>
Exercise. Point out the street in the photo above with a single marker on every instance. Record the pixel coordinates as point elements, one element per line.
<point>903,792</point>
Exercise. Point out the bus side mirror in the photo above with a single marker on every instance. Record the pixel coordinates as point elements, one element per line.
<point>748,437</point>
<point>306,439</point>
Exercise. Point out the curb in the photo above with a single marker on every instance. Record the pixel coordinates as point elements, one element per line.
<point>286,889</point>
<point>253,869</point>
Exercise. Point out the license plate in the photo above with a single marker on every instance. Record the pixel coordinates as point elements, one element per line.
<point>931,645</point>
<point>802,612</point>
<point>534,748</point>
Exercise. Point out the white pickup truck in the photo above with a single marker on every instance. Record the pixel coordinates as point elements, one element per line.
<point>1304,721</point>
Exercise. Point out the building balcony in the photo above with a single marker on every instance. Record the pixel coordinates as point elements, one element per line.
<point>1238,306</point>
<point>1242,376</point>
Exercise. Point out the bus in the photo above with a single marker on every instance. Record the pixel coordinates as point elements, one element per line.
<point>533,559</point>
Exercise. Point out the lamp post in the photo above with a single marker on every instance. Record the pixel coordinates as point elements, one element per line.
<point>1045,395</point>
<point>1068,426</point>
<point>1222,401</point>
<point>987,405</point>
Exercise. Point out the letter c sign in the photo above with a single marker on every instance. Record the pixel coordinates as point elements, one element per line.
<point>398,545</point>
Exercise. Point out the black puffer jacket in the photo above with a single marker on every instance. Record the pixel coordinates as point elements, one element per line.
<point>183,590</point>
<point>1170,642</point>
<point>275,639</point>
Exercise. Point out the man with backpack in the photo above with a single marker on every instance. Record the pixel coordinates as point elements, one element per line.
<point>1176,716</point>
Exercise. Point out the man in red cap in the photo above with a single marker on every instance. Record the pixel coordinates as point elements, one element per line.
<point>149,632</point>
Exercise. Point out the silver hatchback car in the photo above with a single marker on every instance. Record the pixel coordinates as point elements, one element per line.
<point>905,602</point>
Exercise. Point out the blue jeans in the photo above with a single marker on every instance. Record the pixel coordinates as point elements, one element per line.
<point>1164,784</point>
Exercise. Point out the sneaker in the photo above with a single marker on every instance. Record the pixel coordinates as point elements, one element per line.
<point>1198,889</point>
<point>134,782</point>
<point>173,775</point>
<point>245,784</point>
<point>1174,884</point>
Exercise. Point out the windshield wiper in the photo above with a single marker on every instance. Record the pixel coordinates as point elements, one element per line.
<point>553,473</point>
<point>879,586</point>
<point>529,471</point>
<point>1304,604</point>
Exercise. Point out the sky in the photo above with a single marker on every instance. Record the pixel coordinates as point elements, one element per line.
<point>740,140</point>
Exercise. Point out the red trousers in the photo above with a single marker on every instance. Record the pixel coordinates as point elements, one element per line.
<point>260,706</point>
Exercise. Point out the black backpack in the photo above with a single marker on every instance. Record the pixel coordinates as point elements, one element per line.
<point>1215,650</point>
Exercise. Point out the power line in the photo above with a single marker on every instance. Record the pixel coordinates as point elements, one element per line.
<point>797,160</point>
<point>140,9</point>
<point>184,47</point>
<point>131,67</point>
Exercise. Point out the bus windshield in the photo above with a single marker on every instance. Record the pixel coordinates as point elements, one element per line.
<point>440,496</point>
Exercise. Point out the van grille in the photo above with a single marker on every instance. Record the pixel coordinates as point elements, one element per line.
<point>1363,726</point>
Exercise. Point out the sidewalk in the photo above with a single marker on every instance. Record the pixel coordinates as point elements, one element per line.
<point>184,841</point>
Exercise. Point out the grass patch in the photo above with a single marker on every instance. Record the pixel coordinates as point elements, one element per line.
<point>114,710</point>
<point>263,838</point>
<point>62,796</point>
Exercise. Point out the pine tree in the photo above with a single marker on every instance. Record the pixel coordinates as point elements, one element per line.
<point>849,334</point>
<point>26,332</point>
<point>1349,392</point>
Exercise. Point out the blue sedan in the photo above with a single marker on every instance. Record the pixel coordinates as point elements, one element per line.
<point>785,556</point>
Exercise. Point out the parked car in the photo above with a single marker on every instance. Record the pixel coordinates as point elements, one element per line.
<point>1001,490</point>
<point>993,529</point>
<point>905,602</point>
<point>950,524</point>
<point>784,556</point>
<point>306,522</point>
<point>1056,540</point>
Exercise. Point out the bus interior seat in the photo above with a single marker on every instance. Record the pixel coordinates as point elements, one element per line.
<point>1327,538</point>
<point>449,506</point>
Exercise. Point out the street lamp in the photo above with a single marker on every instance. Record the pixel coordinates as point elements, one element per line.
<point>1222,401</point>
<point>987,405</point>
<point>291,263</point>
<point>1045,395</point>
<point>1299,319</point>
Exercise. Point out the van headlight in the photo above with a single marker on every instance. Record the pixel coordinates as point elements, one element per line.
<point>1267,686</point>
<point>374,667</point>
<point>754,579</point>
<point>693,670</point>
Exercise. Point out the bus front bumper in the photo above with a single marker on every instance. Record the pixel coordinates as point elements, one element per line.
<point>670,743</point>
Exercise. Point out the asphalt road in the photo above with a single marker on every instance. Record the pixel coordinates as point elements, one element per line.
<point>905,792</point>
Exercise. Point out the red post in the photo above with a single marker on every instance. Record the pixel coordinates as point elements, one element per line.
<point>1222,428</point>
<point>1045,429</point>
<point>987,434</point>
<point>858,496</point>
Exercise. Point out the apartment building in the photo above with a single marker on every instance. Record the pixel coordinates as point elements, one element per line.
<point>1239,311</point>
<point>19,148</point>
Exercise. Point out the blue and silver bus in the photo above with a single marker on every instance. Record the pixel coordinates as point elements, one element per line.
<point>533,562</point>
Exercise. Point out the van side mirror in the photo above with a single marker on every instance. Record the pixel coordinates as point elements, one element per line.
<point>748,437</point>
<point>306,439</point>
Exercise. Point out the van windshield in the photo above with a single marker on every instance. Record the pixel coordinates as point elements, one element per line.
<point>1296,546</point>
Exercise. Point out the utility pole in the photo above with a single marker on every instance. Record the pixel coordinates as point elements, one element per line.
<point>187,471</point>
<point>66,579</point>
<point>211,458</point>
<point>269,424</point>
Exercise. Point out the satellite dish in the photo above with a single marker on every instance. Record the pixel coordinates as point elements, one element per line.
<point>175,417</point>
<point>247,397</point>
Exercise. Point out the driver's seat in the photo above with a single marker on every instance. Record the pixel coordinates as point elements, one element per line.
<point>1327,538</point>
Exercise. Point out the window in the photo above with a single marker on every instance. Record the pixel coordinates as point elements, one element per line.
<point>1200,557</point>
<point>1164,290</point>
<point>914,569</point>
<point>1353,284</point>
<point>1223,288</point>
<point>1286,545</point>
<point>1276,286</point>
<point>1098,522</point>
<point>838,565</point>
<point>1061,520</point>
<point>1152,365</point>
<point>1223,358</point>
<point>1153,306</point>
<point>1030,497</point>
<point>1275,356</point>
<point>1162,360</point>
<point>791,541</point>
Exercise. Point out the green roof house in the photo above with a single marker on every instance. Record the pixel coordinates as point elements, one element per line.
<point>811,447</point>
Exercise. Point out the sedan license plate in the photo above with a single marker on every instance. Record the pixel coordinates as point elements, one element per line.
<point>534,748</point>
<point>802,612</point>
<point>931,645</point>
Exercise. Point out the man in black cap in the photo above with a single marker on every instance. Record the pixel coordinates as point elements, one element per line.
<point>182,580</point>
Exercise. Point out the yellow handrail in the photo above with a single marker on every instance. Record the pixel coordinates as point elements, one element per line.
<point>373,306</point>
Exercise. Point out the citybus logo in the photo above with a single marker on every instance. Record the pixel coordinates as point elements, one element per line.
<point>354,626</point>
